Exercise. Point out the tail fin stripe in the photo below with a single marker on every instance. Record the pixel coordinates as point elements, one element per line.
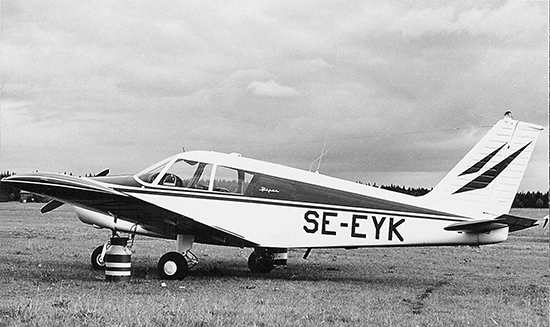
<point>477,167</point>
<point>487,177</point>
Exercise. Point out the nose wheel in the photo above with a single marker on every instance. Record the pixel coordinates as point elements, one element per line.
<point>97,258</point>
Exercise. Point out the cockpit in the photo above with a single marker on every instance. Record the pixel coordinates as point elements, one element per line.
<point>182,172</point>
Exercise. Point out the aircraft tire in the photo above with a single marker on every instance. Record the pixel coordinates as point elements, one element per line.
<point>97,263</point>
<point>262,264</point>
<point>172,265</point>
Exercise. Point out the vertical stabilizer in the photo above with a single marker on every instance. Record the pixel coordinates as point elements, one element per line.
<point>486,180</point>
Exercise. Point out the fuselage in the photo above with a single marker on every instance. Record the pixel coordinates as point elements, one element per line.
<point>226,199</point>
<point>277,206</point>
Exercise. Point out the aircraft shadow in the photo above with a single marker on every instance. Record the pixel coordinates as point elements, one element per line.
<point>55,270</point>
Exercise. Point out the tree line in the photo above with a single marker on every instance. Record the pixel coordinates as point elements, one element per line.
<point>522,200</point>
<point>8,193</point>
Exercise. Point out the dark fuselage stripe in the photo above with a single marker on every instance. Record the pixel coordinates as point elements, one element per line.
<point>239,198</point>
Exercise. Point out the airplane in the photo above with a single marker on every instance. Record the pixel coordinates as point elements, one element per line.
<point>229,200</point>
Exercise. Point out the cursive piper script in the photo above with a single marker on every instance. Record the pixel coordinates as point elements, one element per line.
<point>268,190</point>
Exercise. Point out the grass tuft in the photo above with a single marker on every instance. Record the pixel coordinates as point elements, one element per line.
<point>46,280</point>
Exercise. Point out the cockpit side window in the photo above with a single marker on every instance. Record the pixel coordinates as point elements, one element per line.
<point>231,180</point>
<point>201,177</point>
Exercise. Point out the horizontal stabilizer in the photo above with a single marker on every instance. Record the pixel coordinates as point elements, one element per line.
<point>478,226</point>
<point>518,223</point>
<point>514,223</point>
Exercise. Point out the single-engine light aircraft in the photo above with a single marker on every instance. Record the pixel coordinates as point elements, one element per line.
<point>226,199</point>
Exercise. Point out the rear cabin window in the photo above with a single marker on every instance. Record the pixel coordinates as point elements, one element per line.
<point>231,180</point>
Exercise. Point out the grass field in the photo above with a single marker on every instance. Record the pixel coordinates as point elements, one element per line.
<point>46,280</point>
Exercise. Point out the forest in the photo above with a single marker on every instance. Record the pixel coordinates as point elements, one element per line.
<point>522,200</point>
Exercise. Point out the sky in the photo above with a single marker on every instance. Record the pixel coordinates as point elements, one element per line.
<point>398,91</point>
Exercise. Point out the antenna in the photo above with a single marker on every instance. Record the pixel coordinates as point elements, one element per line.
<point>320,158</point>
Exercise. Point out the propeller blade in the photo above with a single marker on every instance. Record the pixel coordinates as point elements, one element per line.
<point>52,205</point>
<point>104,172</point>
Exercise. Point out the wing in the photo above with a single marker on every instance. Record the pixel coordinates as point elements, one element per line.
<point>97,196</point>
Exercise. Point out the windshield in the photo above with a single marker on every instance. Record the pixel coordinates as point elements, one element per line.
<point>148,175</point>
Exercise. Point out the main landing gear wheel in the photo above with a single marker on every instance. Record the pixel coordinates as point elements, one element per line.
<point>97,260</point>
<point>260,262</point>
<point>172,265</point>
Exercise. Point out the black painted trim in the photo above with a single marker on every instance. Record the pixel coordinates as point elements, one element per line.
<point>478,165</point>
<point>319,206</point>
<point>489,176</point>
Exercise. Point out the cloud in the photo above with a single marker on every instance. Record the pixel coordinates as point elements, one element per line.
<point>415,23</point>
<point>512,20</point>
<point>272,80</point>
<point>272,89</point>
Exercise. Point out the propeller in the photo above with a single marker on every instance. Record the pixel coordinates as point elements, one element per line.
<point>102,173</point>
<point>52,205</point>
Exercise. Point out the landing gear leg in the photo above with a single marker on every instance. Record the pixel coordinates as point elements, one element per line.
<point>260,261</point>
<point>175,265</point>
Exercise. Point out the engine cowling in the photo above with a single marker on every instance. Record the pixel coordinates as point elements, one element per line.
<point>101,220</point>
